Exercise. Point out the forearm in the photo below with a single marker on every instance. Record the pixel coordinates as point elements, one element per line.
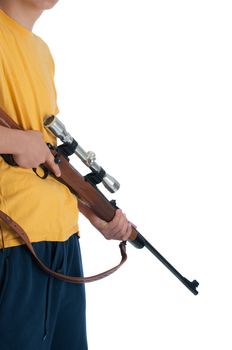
<point>10,140</point>
<point>87,212</point>
<point>118,228</point>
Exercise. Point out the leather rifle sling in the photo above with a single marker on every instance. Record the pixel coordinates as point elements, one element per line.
<point>6,121</point>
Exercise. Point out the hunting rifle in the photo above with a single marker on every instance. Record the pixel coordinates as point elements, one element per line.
<point>85,188</point>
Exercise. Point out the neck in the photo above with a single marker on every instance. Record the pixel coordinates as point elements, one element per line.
<point>21,11</point>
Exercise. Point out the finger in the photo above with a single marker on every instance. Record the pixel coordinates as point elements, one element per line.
<point>127,233</point>
<point>110,228</point>
<point>124,231</point>
<point>121,229</point>
<point>117,224</point>
<point>54,167</point>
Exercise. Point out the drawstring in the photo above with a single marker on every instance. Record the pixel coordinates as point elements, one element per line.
<point>3,243</point>
<point>6,274</point>
<point>48,295</point>
<point>47,309</point>
<point>55,261</point>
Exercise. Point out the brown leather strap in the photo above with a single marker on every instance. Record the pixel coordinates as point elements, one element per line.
<point>22,234</point>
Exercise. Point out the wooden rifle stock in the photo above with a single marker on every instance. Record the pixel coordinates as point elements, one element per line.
<point>97,202</point>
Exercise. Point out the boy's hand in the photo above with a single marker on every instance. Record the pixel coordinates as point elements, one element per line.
<point>119,228</point>
<point>33,151</point>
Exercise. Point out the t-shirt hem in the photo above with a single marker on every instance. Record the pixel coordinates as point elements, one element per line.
<point>17,241</point>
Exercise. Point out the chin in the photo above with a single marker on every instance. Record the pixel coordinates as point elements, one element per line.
<point>49,3</point>
<point>43,4</point>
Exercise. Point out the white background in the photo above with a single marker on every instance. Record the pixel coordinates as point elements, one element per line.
<point>147,85</point>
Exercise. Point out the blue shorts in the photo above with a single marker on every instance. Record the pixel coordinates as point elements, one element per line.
<point>38,311</point>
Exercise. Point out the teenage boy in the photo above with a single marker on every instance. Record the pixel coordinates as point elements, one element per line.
<point>37,311</point>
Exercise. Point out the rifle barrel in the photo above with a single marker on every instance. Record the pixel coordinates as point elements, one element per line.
<point>141,242</point>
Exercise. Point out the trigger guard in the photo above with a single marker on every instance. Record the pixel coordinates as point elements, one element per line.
<point>46,172</point>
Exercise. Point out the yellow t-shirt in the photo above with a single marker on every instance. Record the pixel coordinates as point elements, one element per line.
<point>46,209</point>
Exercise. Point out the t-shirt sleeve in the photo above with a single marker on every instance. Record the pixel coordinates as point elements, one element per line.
<point>52,69</point>
<point>52,63</point>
